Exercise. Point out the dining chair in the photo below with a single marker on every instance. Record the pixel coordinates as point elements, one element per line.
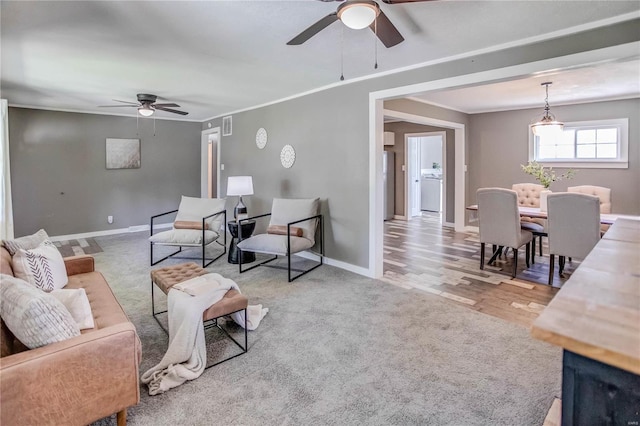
<point>529,196</point>
<point>603,194</point>
<point>499,222</point>
<point>573,225</point>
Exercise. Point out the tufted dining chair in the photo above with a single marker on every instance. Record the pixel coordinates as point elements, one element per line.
<point>529,196</point>
<point>573,227</point>
<point>603,194</point>
<point>499,223</point>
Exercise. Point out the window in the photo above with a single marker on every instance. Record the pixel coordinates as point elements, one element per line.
<point>602,143</point>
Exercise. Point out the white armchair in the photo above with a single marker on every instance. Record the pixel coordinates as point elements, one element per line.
<point>292,229</point>
<point>199,222</point>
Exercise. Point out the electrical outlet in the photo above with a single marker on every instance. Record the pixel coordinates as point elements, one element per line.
<point>109,219</point>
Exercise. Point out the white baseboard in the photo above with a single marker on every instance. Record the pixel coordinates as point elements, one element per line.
<point>104,232</point>
<point>337,263</point>
<point>397,216</point>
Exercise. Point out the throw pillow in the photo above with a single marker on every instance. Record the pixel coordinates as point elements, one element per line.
<point>187,224</point>
<point>42,267</point>
<point>27,242</point>
<point>36,318</point>
<point>282,230</point>
<point>77,303</point>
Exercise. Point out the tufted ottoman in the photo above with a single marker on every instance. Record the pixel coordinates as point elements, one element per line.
<point>232,302</point>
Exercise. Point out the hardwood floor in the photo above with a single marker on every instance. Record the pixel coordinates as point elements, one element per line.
<point>420,254</point>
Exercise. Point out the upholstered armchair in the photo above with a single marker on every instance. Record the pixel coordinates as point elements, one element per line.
<point>529,196</point>
<point>603,194</point>
<point>499,222</point>
<point>293,227</point>
<point>573,227</point>
<point>199,222</point>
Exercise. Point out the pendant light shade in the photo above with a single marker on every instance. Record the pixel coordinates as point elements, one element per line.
<point>547,125</point>
<point>358,14</point>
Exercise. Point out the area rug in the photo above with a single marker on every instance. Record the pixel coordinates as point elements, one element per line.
<point>77,247</point>
<point>338,348</point>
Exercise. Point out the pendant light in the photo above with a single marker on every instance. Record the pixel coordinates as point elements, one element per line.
<point>547,125</point>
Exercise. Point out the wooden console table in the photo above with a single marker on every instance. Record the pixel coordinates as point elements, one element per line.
<point>595,318</point>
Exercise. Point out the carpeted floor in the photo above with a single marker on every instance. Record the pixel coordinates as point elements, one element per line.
<point>340,349</point>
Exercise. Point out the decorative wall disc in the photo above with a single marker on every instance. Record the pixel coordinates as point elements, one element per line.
<point>287,156</point>
<point>261,138</point>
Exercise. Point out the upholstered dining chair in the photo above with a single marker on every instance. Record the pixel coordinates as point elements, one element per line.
<point>603,194</point>
<point>529,196</point>
<point>573,227</point>
<point>292,229</point>
<point>499,222</point>
<point>199,222</point>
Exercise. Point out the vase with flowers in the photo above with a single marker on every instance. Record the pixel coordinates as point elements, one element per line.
<point>546,176</point>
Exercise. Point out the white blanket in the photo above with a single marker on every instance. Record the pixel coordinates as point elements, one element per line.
<point>186,356</point>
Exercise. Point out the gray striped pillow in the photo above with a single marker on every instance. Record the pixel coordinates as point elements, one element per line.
<point>42,267</point>
<point>36,318</point>
<point>27,242</point>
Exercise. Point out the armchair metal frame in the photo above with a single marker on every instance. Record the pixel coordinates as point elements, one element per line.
<point>288,254</point>
<point>204,258</point>
<point>210,323</point>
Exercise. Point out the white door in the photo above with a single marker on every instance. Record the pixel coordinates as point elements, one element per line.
<point>210,161</point>
<point>414,177</point>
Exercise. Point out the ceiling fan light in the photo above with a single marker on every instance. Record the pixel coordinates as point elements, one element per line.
<point>358,15</point>
<point>146,111</point>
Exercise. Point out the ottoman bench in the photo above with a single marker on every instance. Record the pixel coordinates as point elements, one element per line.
<point>232,302</point>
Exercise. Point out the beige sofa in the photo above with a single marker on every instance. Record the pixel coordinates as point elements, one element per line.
<point>79,380</point>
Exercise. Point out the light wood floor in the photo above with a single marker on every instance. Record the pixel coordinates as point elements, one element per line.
<point>422,255</point>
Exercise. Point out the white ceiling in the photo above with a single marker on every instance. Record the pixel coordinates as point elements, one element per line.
<point>216,57</point>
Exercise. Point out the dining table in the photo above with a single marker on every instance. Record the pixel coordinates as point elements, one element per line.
<point>535,212</point>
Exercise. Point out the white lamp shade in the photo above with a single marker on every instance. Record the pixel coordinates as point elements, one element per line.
<point>145,111</point>
<point>357,16</point>
<point>240,185</point>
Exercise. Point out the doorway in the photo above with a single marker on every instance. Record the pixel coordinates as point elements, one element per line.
<point>210,163</point>
<point>426,174</point>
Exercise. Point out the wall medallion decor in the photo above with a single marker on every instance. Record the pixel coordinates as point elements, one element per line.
<point>261,138</point>
<point>123,153</point>
<point>287,156</point>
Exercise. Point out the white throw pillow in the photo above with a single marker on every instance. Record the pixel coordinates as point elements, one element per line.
<point>77,303</point>
<point>27,242</point>
<point>36,318</point>
<point>42,266</point>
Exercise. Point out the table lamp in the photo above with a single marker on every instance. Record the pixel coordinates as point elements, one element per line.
<point>240,185</point>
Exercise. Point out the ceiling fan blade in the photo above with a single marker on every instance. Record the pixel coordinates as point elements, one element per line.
<point>167,105</point>
<point>314,29</point>
<point>387,32</point>
<point>403,1</point>
<point>118,106</point>
<point>125,102</point>
<point>175,111</point>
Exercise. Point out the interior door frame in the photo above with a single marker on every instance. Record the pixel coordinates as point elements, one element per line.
<point>407,183</point>
<point>204,161</point>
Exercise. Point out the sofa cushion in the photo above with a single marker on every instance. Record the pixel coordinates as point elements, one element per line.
<point>42,266</point>
<point>195,209</point>
<point>286,210</point>
<point>27,242</point>
<point>274,244</point>
<point>183,237</point>
<point>35,318</point>
<point>77,303</point>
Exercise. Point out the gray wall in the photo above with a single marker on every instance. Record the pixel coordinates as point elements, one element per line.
<point>499,144</point>
<point>59,181</point>
<point>400,129</point>
<point>330,132</point>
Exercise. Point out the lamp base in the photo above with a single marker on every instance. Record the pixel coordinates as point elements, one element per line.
<point>240,211</point>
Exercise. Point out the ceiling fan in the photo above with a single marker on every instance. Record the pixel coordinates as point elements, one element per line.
<point>147,105</point>
<point>358,14</point>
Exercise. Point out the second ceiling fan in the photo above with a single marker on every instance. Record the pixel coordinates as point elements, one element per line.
<point>358,14</point>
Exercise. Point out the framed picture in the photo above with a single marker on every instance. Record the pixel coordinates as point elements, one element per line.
<point>123,153</point>
<point>226,126</point>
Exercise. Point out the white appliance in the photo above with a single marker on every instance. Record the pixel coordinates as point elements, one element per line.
<point>388,167</point>
<point>430,189</point>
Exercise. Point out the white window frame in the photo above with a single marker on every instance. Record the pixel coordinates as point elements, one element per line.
<point>622,162</point>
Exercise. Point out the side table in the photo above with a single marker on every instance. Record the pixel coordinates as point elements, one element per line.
<point>247,229</point>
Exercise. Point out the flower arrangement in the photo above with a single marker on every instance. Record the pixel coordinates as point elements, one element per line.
<point>543,175</point>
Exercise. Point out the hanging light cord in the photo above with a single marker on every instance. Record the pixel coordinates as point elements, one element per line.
<point>546,100</point>
<point>375,42</point>
<point>342,54</point>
